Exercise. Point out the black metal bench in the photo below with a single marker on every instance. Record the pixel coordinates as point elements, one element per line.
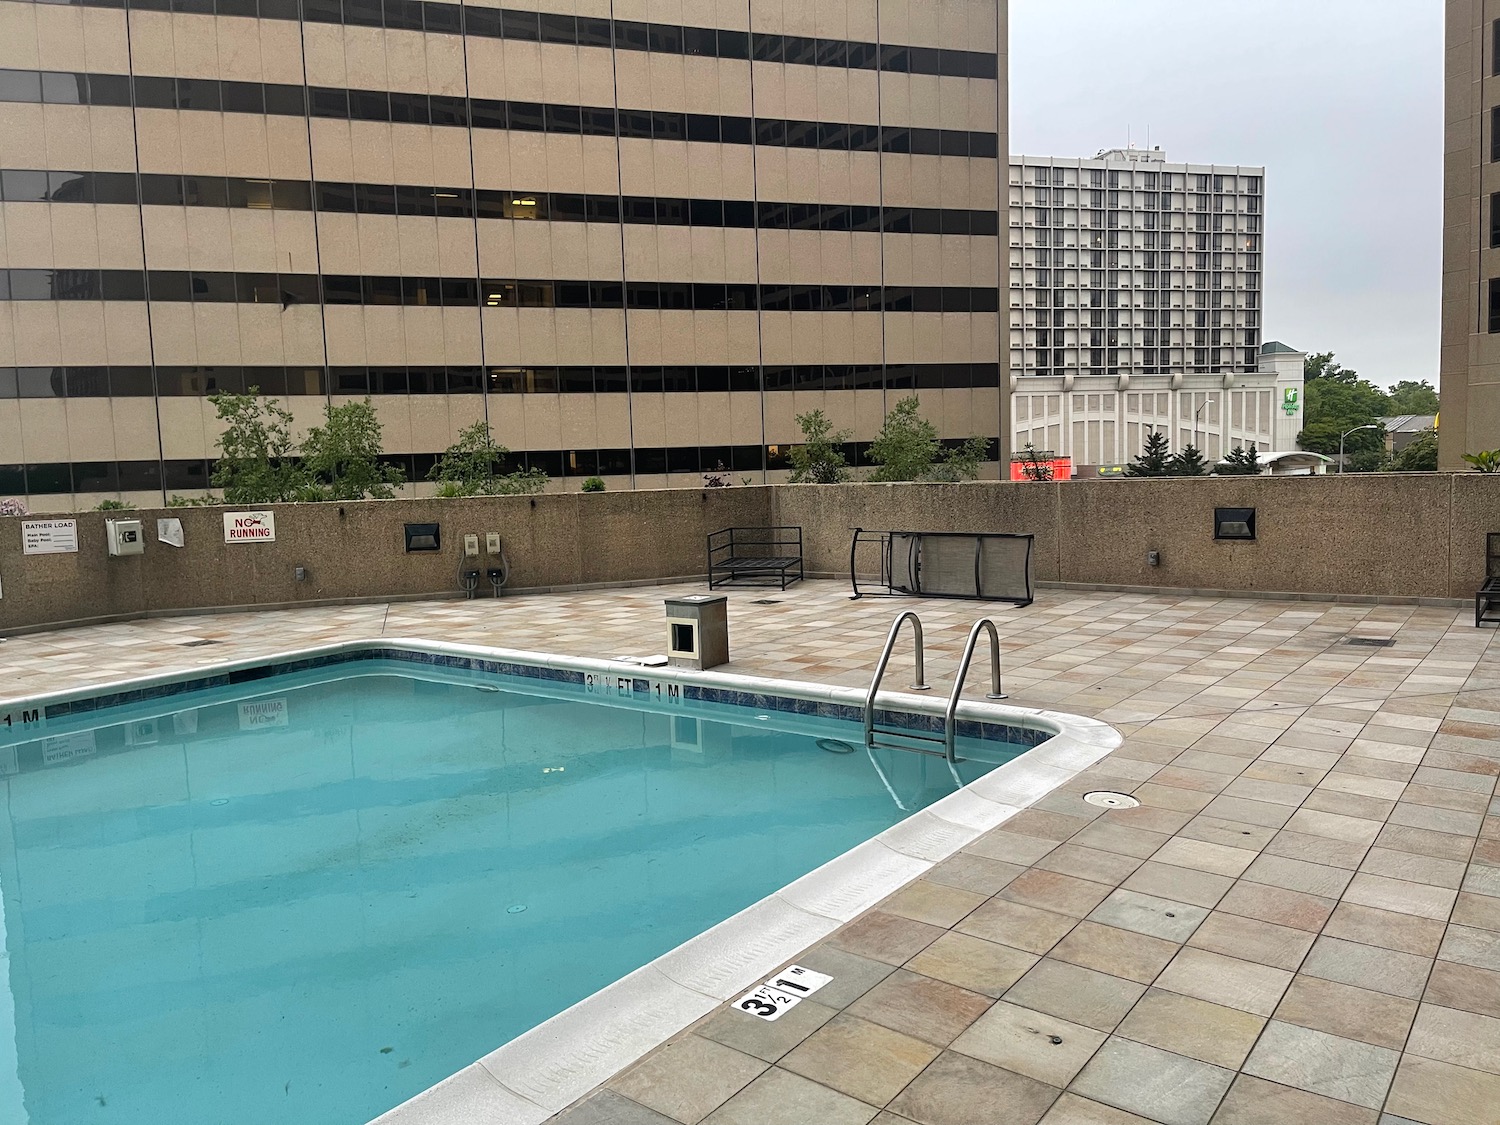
<point>755,556</point>
<point>1487,603</point>
<point>1487,597</point>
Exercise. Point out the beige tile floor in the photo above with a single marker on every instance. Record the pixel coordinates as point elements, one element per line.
<point>1299,924</point>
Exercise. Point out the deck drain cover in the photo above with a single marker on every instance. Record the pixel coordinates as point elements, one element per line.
<point>1111,800</point>
<point>1371,642</point>
<point>198,643</point>
<point>765,601</point>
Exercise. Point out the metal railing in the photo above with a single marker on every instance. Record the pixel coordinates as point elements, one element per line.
<point>948,740</point>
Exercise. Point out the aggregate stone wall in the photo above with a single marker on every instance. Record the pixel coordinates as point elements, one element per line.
<point>357,551</point>
<point>1408,535</point>
<point>1419,535</point>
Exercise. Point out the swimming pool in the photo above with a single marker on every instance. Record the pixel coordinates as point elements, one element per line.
<point>307,897</point>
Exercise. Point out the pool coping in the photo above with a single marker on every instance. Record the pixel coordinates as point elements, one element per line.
<point>543,1071</point>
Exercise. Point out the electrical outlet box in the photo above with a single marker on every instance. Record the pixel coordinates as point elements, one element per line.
<point>471,546</point>
<point>125,537</point>
<point>492,542</point>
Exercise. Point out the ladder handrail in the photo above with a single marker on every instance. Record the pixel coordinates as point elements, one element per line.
<point>885,658</point>
<point>950,718</point>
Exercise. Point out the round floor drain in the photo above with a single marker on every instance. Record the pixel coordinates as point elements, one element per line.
<point>1111,800</point>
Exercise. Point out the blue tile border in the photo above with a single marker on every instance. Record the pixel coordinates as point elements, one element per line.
<point>902,720</point>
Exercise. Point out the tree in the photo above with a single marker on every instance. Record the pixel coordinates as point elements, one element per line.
<point>256,454</point>
<point>1242,461</point>
<point>1154,461</point>
<point>1420,456</point>
<point>1413,397</point>
<point>960,460</point>
<point>1188,463</point>
<point>471,467</point>
<point>906,447</point>
<point>1032,465</point>
<point>1336,402</point>
<point>818,460</point>
<point>342,457</point>
<point>1320,365</point>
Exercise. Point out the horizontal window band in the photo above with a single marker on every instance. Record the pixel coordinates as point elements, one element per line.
<point>214,95</point>
<point>60,478</point>
<point>287,290</point>
<point>439,18</point>
<point>27,185</point>
<point>208,379</point>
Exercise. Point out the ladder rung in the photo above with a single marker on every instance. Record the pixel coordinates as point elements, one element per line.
<point>909,749</point>
<point>907,734</point>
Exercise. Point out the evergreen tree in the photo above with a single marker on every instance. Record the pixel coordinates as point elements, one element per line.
<point>1188,463</point>
<point>1242,461</point>
<point>1155,461</point>
<point>818,460</point>
<point>1032,465</point>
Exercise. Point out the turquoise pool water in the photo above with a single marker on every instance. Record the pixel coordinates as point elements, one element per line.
<point>304,900</point>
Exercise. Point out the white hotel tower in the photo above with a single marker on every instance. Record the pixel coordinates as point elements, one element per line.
<point>1135,305</point>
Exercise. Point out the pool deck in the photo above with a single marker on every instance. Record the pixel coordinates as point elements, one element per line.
<point>1299,924</point>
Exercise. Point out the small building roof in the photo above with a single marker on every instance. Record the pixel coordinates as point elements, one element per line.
<point>1276,347</point>
<point>1409,423</point>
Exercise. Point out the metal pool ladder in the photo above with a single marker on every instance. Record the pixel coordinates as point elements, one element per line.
<point>881,737</point>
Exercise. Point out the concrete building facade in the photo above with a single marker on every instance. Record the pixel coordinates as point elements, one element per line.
<point>1135,305</point>
<point>1469,375</point>
<point>638,237</point>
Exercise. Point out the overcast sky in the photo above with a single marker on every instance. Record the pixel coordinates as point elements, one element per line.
<point>1341,100</point>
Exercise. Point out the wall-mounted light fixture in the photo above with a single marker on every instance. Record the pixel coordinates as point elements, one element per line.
<point>423,537</point>
<point>1234,523</point>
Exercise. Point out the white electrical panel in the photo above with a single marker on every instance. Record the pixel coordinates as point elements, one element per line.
<point>471,546</point>
<point>492,542</point>
<point>125,537</point>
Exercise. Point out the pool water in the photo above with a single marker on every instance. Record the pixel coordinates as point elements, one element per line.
<point>305,900</point>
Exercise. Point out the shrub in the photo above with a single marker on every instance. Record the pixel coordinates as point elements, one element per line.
<point>594,484</point>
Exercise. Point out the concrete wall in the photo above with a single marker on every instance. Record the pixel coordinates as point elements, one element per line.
<point>1398,535</point>
<point>1395,535</point>
<point>357,551</point>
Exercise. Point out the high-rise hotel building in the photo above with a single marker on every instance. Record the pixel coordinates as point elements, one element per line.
<point>637,236</point>
<point>1135,305</point>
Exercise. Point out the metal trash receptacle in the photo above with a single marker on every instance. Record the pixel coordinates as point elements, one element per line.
<point>698,631</point>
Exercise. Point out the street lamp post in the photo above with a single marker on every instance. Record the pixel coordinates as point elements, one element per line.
<point>1346,433</point>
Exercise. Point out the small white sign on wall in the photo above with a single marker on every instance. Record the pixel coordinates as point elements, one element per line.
<point>249,527</point>
<point>49,537</point>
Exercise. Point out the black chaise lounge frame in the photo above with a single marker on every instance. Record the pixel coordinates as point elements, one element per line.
<point>755,556</point>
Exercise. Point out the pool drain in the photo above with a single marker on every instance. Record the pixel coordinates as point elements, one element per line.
<point>834,746</point>
<point>1107,800</point>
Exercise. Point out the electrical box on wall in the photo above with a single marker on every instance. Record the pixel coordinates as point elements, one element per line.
<point>492,542</point>
<point>125,537</point>
<point>471,546</point>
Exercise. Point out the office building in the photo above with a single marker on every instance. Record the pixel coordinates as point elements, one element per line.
<point>1469,375</point>
<point>1135,304</point>
<point>637,237</point>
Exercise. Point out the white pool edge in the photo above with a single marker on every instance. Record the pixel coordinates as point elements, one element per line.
<point>545,1070</point>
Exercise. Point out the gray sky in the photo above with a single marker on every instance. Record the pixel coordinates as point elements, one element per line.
<point>1341,100</point>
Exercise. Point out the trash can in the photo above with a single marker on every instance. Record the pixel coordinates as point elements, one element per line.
<point>698,631</point>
